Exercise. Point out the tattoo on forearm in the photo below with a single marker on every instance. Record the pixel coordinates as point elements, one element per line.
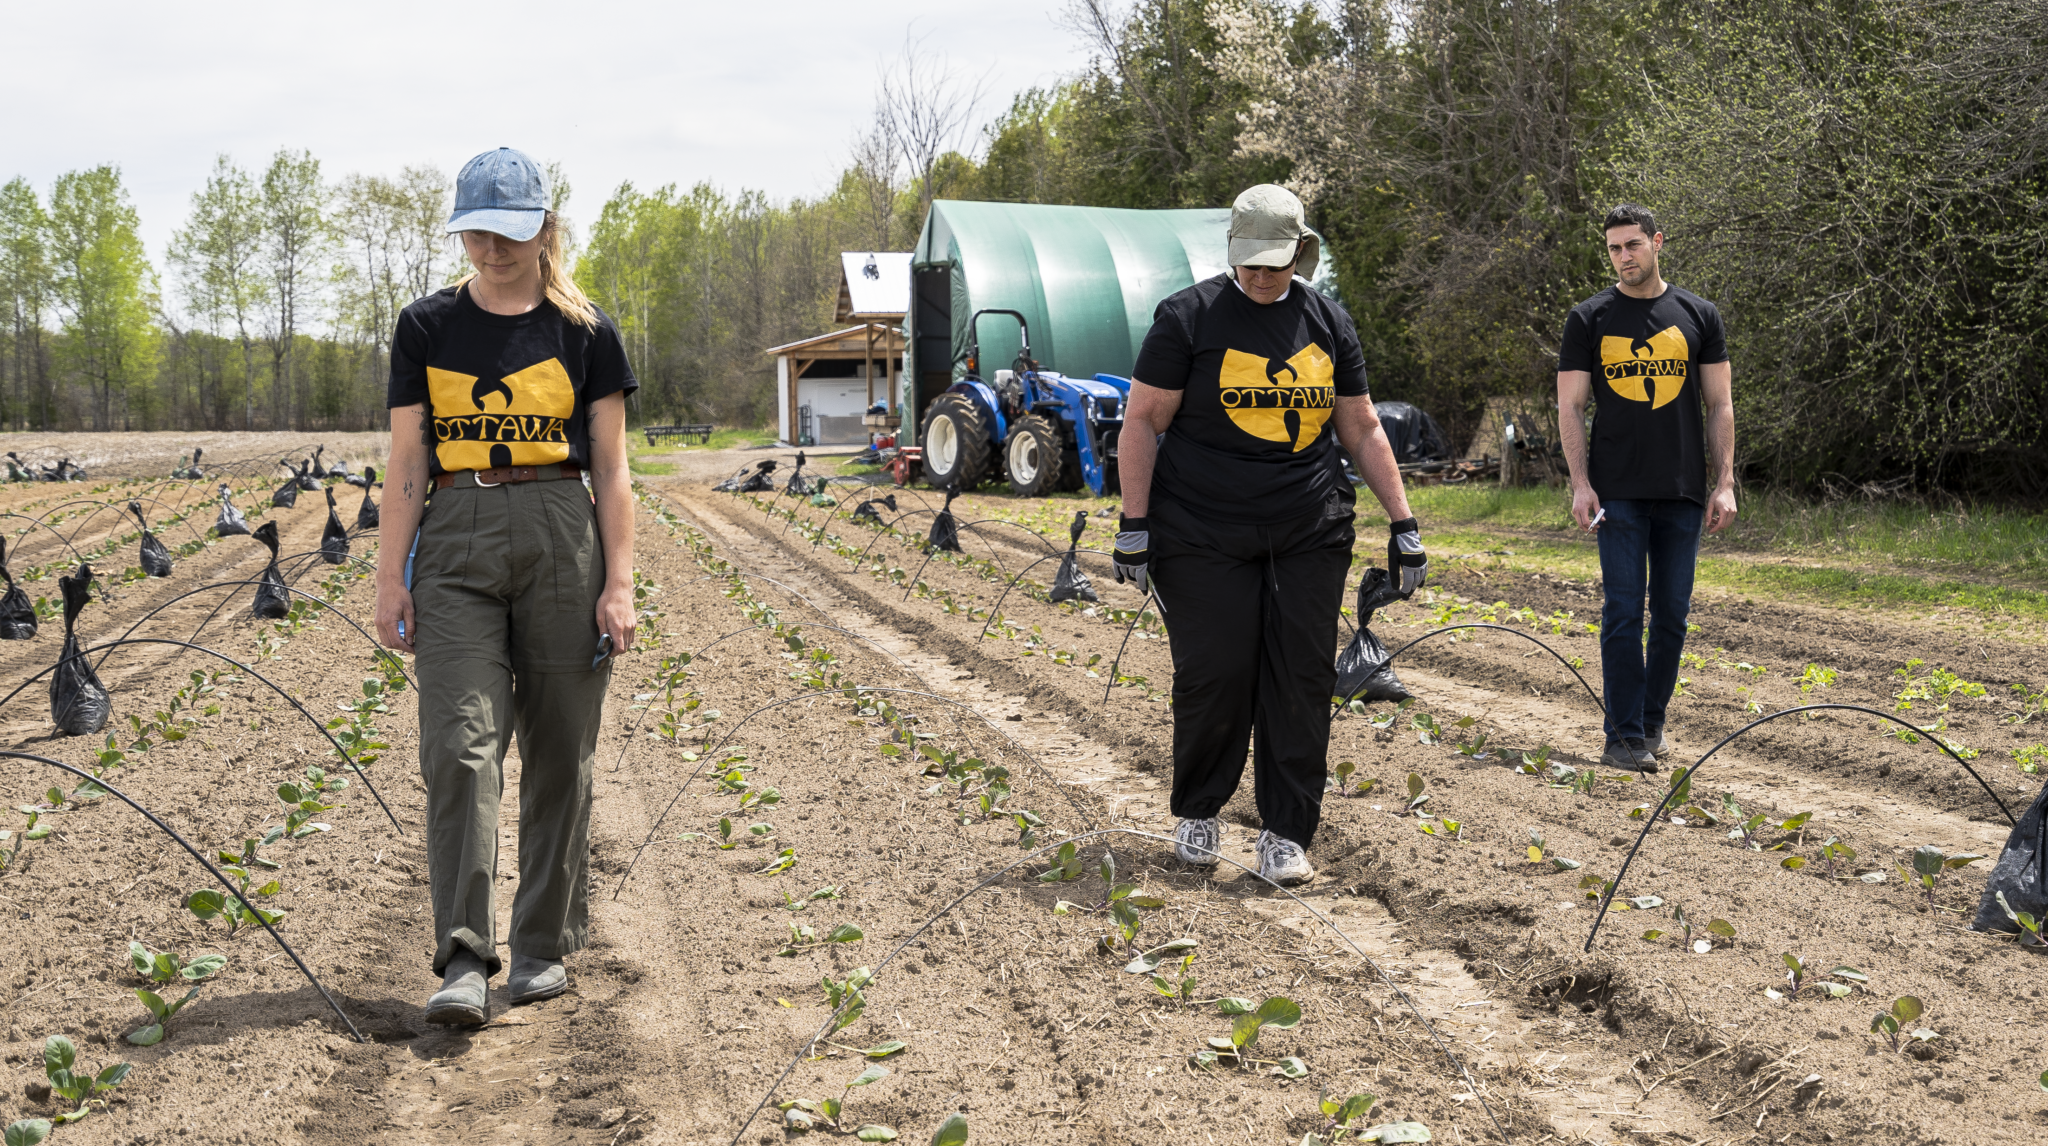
<point>408,489</point>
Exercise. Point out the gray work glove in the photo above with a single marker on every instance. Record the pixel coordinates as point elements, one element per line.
<point>1407,564</point>
<point>1133,557</point>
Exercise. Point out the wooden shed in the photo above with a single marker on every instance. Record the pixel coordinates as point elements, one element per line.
<point>825,383</point>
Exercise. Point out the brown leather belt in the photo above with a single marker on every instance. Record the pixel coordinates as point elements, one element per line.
<point>507,475</point>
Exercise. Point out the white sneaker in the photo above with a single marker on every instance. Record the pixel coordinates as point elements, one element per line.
<point>1198,841</point>
<point>1282,861</point>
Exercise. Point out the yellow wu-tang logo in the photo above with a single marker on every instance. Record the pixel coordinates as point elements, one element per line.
<point>1279,401</point>
<point>1653,372</point>
<point>521,419</point>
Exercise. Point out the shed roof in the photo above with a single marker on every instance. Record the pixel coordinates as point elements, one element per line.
<point>851,342</point>
<point>873,284</point>
<point>1086,278</point>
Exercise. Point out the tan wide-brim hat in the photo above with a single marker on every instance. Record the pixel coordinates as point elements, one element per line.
<point>1265,224</point>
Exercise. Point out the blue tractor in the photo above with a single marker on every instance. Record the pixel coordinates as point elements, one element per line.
<point>1038,429</point>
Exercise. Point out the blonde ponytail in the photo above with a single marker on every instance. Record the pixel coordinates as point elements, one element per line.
<point>556,283</point>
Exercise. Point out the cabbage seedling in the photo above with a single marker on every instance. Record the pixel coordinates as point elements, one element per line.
<point>1833,852</point>
<point>34,830</point>
<point>1278,1012</point>
<point>1715,929</point>
<point>2028,924</point>
<point>801,1115</point>
<point>1928,864</point>
<point>802,938</point>
<point>1798,973</point>
<point>1417,796</point>
<point>1534,762</point>
<point>160,1016</point>
<point>33,1131</point>
<point>164,966</point>
<point>1343,1122</point>
<point>1904,1009</point>
<point>76,1086</point>
<point>207,903</point>
<point>793,903</point>
<point>304,801</point>
<point>784,860</point>
<point>1066,864</point>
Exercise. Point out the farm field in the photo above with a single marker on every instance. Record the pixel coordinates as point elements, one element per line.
<point>685,1022</point>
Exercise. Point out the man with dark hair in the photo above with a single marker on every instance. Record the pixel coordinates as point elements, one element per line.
<point>1654,359</point>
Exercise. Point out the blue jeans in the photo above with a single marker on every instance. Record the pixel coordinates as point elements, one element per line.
<point>1647,549</point>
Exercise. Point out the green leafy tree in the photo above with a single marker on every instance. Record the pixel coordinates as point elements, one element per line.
<point>26,290</point>
<point>105,287</point>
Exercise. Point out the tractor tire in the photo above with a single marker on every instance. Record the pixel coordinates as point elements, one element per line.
<point>1032,457</point>
<point>1070,471</point>
<point>956,442</point>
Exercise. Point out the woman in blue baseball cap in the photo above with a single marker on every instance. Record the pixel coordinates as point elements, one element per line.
<point>506,566</point>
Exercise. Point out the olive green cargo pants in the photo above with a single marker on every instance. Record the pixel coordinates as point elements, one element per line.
<point>504,589</point>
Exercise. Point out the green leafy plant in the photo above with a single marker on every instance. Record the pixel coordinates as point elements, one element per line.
<point>1417,794</point>
<point>2030,758</point>
<point>1802,978</point>
<point>35,829</point>
<point>357,732</point>
<point>78,1087</point>
<point>1890,1023</point>
<point>795,903</point>
<point>801,1115</point>
<point>1714,929</point>
<point>951,1132</point>
<point>1940,686</point>
<point>1539,852</point>
<point>1343,1121</point>
<point>2027,923</point>
<point>785,860</point>
<point>1929,862</point>
<point>306,800</point>
<point>207,903</point>
<point>803,938</point>
<point>33,1131</point>
<point>848,992</point>
<point>1278,1012</point>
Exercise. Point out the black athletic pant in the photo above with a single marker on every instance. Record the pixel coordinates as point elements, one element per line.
<point>1252,615</point>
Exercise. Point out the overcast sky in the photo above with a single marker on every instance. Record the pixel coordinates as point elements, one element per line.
<point>763,95</point>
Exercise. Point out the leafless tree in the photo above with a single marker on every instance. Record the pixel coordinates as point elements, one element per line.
<point>926,108</point>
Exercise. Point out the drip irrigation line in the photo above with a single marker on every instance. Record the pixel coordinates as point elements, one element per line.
<point>203,862</point>
<point>309,555</point>
<point>1004,595</point>
<point>289,698</point>
<point>61,539</point>
<point>1042,538</point>
<point>120,510</point>
<point>1339,706</point>
<point>207,588</point>
<point>827,1028</point>
<point>1152,595</point>
<point>1685,776</point>
<point>757,577</point>
<point>856,691</point>
<point>633,731</point>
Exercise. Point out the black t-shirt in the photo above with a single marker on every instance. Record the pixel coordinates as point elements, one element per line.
<point>1649,428</point>
<point>504,389</point>
<point>1253,439</point>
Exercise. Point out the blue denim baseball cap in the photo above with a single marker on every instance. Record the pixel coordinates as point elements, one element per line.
<point>504,192</point>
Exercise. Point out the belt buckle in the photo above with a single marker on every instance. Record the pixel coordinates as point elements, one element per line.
<point>486,484</point>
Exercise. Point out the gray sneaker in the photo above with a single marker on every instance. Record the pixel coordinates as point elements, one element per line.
<point>1653,735</point>
<point>534,979</point>
<point>464,999</point>
<point>1630,754</point>
<point>1197,841</point>
<point>1282,861</point>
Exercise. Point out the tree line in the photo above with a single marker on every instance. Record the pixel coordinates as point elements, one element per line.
<point>1857,183</point>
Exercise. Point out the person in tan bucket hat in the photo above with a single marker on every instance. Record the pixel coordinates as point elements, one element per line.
<point>1237,510</point>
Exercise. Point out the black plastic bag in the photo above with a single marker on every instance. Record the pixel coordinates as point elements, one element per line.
<point>797,485</point>
<point>156,560</point>
<point>367,514</point>
<point>1362,669</point>
<point>305,477</point>
<point>313,465</point>
<point>339,470</point>
<point>2021,873</point>
<point>865,511</point>
<point>231,522</point>
<point>17,615</point>
<point>1070,583</point>
<point>945,532</point>
<point>79,704</point>
<point>287,495</point>
<point>273,600</point>
<point>758,481</point>
<point>732,483</point>
<point>333,539</point>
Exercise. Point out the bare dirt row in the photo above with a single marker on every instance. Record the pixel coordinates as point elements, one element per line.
<point>682,1015</point>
